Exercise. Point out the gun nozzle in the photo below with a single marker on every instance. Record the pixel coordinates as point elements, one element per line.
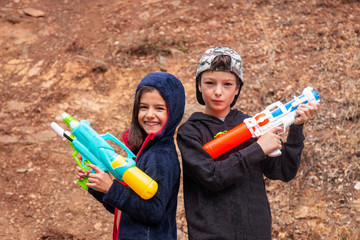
<point>64,115</point>
<point>59,130</point>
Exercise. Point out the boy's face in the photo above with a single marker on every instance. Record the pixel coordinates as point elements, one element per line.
<point>153,112</point>
<point>218,90</point>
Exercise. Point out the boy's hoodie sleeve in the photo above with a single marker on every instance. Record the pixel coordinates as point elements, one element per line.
<point>286,166</point>
<point>160,166</point>
<point>214,175</point>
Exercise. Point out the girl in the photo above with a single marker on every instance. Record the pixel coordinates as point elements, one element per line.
<point>225,198</point>
<point>158,109</point>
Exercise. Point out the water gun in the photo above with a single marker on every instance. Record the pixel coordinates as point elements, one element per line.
<point>96,150</point>
<point>277,114</point>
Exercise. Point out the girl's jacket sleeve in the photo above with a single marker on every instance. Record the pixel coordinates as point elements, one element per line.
<point>99,196</point>
<point>214,175</point>
<point>285,166</point>
<point>163,167</point>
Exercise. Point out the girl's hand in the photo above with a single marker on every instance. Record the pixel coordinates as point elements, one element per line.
<point>100,180</point>
<point>81,174</point>
<point>270,141</point>
<point>305,111</point>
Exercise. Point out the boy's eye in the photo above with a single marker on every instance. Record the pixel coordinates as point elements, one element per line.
<point>228,84</point>
<point>209,83</point>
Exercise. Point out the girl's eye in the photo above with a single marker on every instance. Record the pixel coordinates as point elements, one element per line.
<point>143,107</point>
<point>161,108</point>
<point>209,83</point>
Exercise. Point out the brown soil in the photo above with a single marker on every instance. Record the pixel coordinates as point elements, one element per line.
<point>86,58</point>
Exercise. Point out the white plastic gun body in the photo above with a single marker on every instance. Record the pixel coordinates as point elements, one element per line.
<point>278,114</point>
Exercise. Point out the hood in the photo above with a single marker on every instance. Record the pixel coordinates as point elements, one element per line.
<point>174,94</point>
<point>233,117</point>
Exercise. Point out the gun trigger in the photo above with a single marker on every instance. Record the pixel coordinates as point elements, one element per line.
<point>284,129</point>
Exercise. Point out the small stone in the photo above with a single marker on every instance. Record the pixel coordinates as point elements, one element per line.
<point>33,12</point>
<point>357,186</point>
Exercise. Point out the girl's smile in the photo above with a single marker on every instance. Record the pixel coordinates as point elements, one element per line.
<point>151,125</point>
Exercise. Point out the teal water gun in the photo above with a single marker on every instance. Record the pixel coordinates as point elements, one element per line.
<point>95,149</point>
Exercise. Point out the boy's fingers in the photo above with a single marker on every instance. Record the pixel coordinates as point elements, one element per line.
<point>277,130</point>
<point>313,108</point>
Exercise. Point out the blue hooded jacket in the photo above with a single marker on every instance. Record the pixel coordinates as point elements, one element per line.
<point>154,218</point>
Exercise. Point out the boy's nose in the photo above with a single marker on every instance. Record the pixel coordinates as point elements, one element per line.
<point>218,90</point>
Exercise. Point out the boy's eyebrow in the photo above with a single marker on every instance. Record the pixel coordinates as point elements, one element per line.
<point>205,78</point>
<point>226,79</point>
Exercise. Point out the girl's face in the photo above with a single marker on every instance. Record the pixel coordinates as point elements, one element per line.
<point>153,112</point>
<point>218,90</point>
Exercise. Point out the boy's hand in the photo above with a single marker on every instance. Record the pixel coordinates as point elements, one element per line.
<point>270,141</point>
<point>100,180</point>
<point>305,111</point>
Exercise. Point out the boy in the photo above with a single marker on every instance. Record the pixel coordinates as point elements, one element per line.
<point>225,198</point>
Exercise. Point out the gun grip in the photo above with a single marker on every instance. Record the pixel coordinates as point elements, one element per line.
<point>275,153</point>
<point>83,183</point>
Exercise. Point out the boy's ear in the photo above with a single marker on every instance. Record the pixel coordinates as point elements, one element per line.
<point>199,87</point>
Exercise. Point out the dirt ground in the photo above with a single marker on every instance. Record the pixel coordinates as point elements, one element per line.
<point>87,57</point>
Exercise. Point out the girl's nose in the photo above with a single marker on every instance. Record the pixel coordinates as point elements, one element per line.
<point>150,114</point>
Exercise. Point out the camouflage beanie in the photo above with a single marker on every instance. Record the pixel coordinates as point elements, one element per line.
<point>205,64</point>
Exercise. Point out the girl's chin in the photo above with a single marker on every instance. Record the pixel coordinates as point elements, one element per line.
<point>152,130</point>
